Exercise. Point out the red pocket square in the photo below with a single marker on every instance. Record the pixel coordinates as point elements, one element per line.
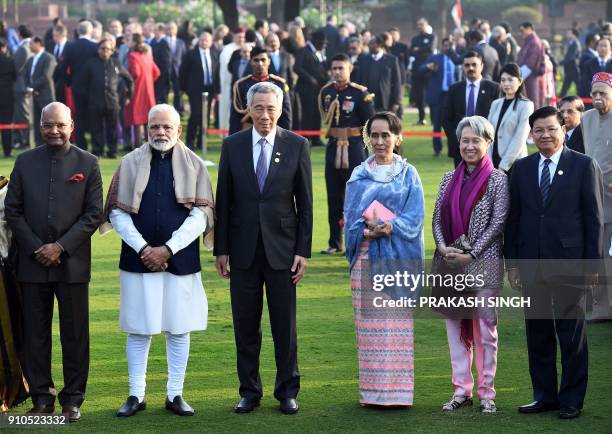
<point>77,177</point>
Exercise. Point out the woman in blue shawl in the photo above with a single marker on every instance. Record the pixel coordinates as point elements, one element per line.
<point>377,246</point>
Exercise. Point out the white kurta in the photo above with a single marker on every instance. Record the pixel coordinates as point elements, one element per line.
<point>225,103</point>
<point>156,302</point>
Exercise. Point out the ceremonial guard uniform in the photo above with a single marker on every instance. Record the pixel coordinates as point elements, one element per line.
<point>345,110</point>
<point>240,117</point>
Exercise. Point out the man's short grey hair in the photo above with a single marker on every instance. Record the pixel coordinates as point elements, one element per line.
<point>84,28</point>
<point>160,108</point>
<point>497,32</point>
<point>480,126</point>
<point>265,87</point>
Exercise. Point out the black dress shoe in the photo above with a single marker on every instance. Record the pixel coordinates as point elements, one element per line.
<point>246,405</point>
<point>569,413</point>
<point>130,407</point>
<point>42,409</point>
<point>289,406</point>
<point>179,406</point>
<point>537,407</point>
<point>71,412</point>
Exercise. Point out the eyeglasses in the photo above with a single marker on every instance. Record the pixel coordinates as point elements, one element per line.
<point>568,111</point>
<point>51,125</point>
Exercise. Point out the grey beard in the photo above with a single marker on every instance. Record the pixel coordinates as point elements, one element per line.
<point>162,147</point>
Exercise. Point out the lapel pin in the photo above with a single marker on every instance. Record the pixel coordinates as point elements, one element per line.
<point>278,153</point>
<point>277,160</point>
<point>560,172</point>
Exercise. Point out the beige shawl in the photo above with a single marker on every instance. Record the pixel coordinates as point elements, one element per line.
<point>192,185</point>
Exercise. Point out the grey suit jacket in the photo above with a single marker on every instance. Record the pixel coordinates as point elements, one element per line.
<point>512,132</point>
<point>42,78</point>
<point>54,196</point>
<point>177,57</point>
<point>20,58</point>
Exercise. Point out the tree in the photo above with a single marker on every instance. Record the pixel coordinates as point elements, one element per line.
<point>230,12</point>
<point>292,9</point>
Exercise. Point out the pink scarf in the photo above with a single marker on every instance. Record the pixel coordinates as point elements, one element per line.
<point>461,197</point>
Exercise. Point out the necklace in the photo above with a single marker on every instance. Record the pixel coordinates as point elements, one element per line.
<point>387,172</point>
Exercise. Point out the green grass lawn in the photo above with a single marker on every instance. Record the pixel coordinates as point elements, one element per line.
<point>327,354</point>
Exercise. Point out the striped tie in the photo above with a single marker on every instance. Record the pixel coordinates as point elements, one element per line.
<point>545,181</point>
<point>262,171</point>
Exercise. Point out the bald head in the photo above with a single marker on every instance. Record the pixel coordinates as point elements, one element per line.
<point>56,124</point>
<point>56,108</point>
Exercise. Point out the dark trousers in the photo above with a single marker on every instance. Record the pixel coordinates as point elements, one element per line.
<point>419,83</point>
<point>569,77</point>
<point>81,125</point>
<point>246,289</point>
<point>557,313</point>
<point>103,125</point>
<point>6,117</point>
<point>194,124</point>
<point>311,118</point>
<point>176,89</point>
<point>335,183</point>
<point>162,88</point>
<point>296,110</point>
<point>435,112</point>
<point>72,300</point>
<point>38,106</point>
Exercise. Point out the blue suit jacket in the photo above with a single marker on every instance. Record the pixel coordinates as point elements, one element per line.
<point>567,228</point>
<point>433,93</point>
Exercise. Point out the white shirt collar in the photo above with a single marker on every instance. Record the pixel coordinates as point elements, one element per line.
<point>256,137</point>
<point>594,52</point>
<point>554,157</point>
<point>37,56</point>
<point>378,55</point>
<point>475,83</point>
<point>570,132</point>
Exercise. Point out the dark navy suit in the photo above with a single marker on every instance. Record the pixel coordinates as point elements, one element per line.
<point>548,243</point>
<point>436,90</point>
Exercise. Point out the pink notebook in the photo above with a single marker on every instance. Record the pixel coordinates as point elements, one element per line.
<point>383,213</point>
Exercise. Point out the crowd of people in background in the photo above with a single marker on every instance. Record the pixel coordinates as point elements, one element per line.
<point>135,65</point>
